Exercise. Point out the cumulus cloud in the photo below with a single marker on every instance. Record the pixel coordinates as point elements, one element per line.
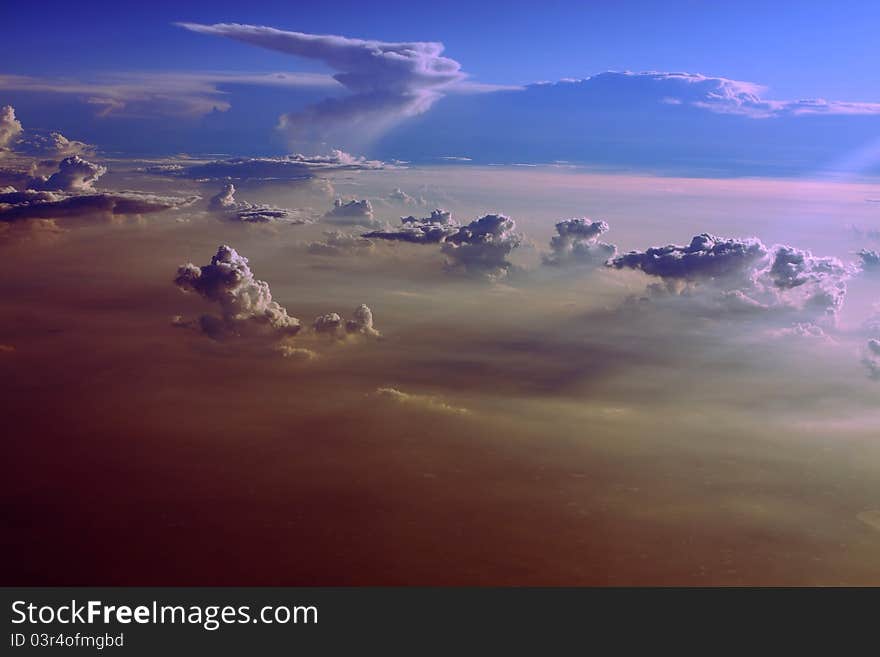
<point>577,243</point>
<point>33,204</point>
<point>482,247</point>
<point>426,402</point>
<point>332,324</point>
<point>74,174</point>
<point>745,275</point>
<point>706,257</point>
<point>400,197</point>
<point>51,145</point>
<point>287,167</point>
<point>387,81</point>
<point>225,203</point>
<point>337,243</point>
<point>244,300</point>
<point>429,230</point>
<point>35,143</point>
<point>10,127</point>
<point>247,307</point>
<point>355,213</point>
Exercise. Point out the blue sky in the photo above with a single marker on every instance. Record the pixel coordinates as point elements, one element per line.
<point>797,48</point>
<point>116,76</point>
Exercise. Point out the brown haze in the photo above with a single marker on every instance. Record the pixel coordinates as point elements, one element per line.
<point>534,430</point>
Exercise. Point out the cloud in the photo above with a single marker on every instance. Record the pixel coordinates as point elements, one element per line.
<point>577,243</point>
<point>743,275</point>
<point>388,81</point>
<point>74,175</point>
<point>333,324</point>
<point>871,359</point>
<point>33,204</point>
<point>288,167</point>
<point>706,257</point>
<point>225,203</point>
<point>483,245</point>
<point>716,94</point>
<point>426,402</point>
<point>10,127</point>
<point>183,94</point>
<point>337,243</point>
<point>402,198</point>
<point>355,213</point>
<point>247,307</point>
<point>870,260</point>
<point>51,145</point>
<point>430,230</point>
<point>244,300</point>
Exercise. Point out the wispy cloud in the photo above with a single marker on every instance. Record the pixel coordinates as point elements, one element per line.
<point>181,94</point>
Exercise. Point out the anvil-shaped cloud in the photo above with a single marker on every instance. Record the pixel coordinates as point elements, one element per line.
<point>388,81</point>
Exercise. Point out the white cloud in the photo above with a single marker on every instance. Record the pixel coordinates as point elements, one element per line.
<point>577,243</point>
<point>388,81</point>
<point>10,127</point>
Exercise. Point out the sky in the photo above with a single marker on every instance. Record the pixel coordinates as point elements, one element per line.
<point>440,293</point>
<point>799,49</point>
<point>126,71</point>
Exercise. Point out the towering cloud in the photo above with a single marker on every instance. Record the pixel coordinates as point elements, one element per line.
<point>577,243</point>
<point>10,127</point>
<point>355,213</point>
<point>74,175</point>
<point>483,245</point>
<point>387,81</point>
<point>243,300</point>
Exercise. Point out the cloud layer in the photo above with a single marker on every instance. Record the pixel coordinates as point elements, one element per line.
<point>287,167</point>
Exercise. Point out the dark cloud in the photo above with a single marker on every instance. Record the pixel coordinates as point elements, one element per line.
<point>482,247</point>
<point>870,260</point>
<point>744,275</point>
<point>288,167</point>
<point>577,243</point>
<point>387,81</point>
<point>706,257</point>
<point>430,230</point>
<point>32,204</point>
<point>225,203</point>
